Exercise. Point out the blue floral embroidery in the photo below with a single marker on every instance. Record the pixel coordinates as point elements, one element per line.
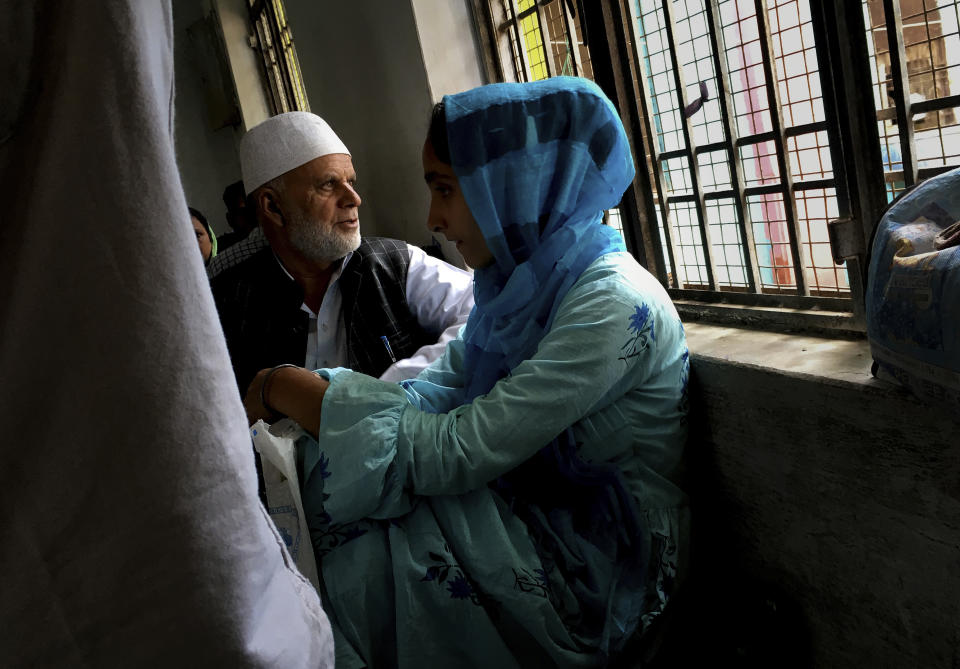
<point>642,327</point>
<point>459,586</point>
<point>684,381</point>
<point>533,582</point>
<point>323,462</point>
<point>336,536</point>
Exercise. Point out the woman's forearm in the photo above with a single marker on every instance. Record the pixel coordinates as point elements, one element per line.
<point>290,391</point>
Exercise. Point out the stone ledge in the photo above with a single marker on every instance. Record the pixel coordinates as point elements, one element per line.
<point>830,359</point>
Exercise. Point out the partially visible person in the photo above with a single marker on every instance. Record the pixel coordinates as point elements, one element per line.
<point>238,217</point>
<point>246,248</point>
<point>320,295</point>
<point>206,239</point>
<point>131,534</point>
<point>517,504</point>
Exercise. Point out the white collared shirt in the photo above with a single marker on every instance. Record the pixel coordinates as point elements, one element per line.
<point>440,297</point>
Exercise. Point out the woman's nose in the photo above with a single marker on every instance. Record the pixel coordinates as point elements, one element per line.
<point>435,223</point>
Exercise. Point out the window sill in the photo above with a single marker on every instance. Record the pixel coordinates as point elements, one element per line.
<point>821,322</point>
<point>842,361</point>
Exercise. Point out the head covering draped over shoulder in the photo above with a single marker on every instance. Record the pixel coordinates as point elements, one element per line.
<point>538,163</point>
<point>282,143</point>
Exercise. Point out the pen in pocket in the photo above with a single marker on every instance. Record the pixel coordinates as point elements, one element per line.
<point>386,345</point>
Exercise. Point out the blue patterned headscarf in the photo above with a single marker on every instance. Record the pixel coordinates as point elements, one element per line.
<point>538,163</point>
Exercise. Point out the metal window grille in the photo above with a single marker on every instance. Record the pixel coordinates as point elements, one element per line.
<point>752,150</point>
<point>546,39</point>
<point>730,94</point>
<point>914,49</point>
<point>281,67</point>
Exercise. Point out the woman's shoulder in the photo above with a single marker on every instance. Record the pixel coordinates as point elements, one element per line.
<point>619,277</point>
<point>625,304</point>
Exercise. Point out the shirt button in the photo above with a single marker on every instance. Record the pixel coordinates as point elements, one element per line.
<point>324,327</point>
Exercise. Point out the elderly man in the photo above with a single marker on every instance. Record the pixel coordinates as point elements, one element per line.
<point>320,295</point>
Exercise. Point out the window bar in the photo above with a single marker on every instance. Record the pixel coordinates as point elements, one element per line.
<point>768,189</point>
<point>670,155</point>
<point>544,39</point>
<point>705,238</point>
<point>613,72</point>
<point>759,138</point>
<point>779,138</point>
<point>901,90</point>
<point>273,26</point>
<point>269,62</point>
<point>648,130</point>
<point>488,36</point>
<point>736,173</point>
<point>807,128</point>
<point>290,57</point>
<point>713,146</point>
<point>521,50</point>
<point>572,39</point>
<point>936,104</point>
<point>814,184</point>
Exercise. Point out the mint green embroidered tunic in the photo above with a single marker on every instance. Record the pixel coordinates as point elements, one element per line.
<point>422,560</point>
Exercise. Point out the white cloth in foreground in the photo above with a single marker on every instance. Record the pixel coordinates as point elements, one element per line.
<point>282,143</point>
<point>130,530</point>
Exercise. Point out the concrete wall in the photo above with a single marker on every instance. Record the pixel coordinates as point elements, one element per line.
<point>835,497</point>
<point>365,73</point>
<point>206,156</point>
<point>446,33</point>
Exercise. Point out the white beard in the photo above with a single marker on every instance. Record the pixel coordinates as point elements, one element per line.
<point>318,243</point>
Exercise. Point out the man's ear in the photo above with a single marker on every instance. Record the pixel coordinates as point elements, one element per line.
<point>268,207</point>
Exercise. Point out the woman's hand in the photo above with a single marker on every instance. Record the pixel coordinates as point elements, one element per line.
<point>286,391</point>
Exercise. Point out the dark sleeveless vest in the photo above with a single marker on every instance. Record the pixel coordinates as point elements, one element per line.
<point>374,290</point>
<point>259,307</point>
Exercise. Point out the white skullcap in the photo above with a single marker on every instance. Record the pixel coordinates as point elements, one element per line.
<point>282,143</point>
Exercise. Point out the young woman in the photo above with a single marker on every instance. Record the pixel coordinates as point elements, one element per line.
<point>516,504</point>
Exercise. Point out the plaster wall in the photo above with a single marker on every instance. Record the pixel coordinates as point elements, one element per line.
<point>372,69</point>
<point>207,157</point>
<point>446,33</point>
<point>841,490</point>
<point>364,74</point>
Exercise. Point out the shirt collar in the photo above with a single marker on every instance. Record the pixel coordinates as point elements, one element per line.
<point>333,277</point>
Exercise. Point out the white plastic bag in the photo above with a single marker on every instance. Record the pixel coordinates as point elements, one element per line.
<point>275,444</point>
